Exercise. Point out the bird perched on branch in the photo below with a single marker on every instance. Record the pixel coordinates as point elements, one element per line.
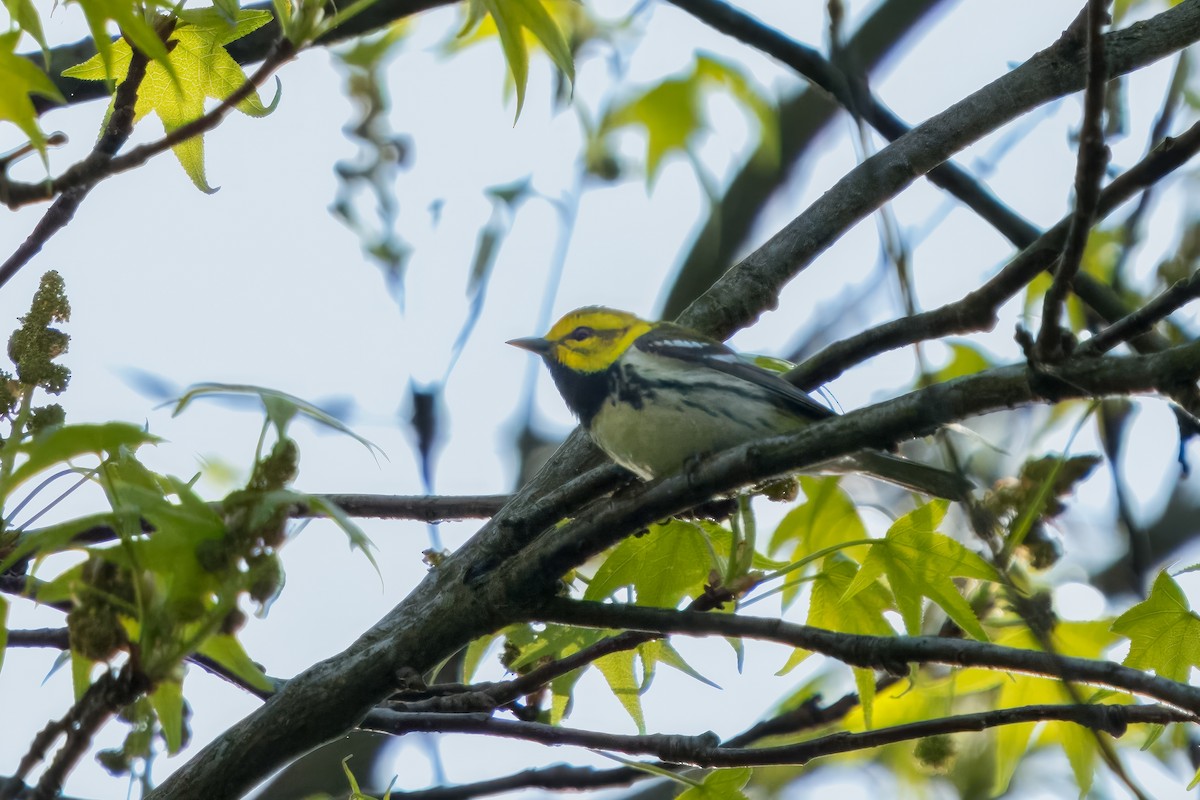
<point>655,395</point>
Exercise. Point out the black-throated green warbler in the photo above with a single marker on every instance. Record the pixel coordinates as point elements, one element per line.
<point>654,395</point>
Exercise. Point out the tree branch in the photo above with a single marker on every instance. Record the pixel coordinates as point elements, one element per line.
<point>486,697</point>
<point>753,285</point>
<point>54,638</point>
<point>976,311</point>
<point>425,508</point>
<point>703,750</point>
<point>670,748</point>
<point>560,777</point>
<point>807,716</point>
<point>86,174</point>
<point>891,654</point>
<point>802,119</point>
<point>116,132</point>
<point>107,695</point>
<point>1143,319</point>
<point>484,585</point>
<point>1089,171</point>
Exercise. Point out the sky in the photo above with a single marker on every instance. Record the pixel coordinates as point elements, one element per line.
<point>259,284</point>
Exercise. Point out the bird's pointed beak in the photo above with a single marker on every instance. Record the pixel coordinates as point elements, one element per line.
<point>534,344</point>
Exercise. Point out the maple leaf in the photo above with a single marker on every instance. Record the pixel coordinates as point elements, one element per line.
<point>512,18</point>
<point>826,519</point>
<point>671,561</point>
<point>131,19</point>
<point>1087,639</point>
<point>21,79</point>
<point>1163,632</point>
<point>671,113</point>
<point>861,614</point>
<point>203,70</point>
<point>920,562</point>
<point>721,784</point>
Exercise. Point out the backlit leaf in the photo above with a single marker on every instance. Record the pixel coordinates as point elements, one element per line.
<point>1163,632</point>
<point>130,17</point>
<point>860,614</point>
<point>167,699</point>
<point>65,442</point>
<point>229,653</point>
<point>721,784</point>
<point>617,669</point>
<point>826,518</point>
<point>512,19</point>
<point>920,562</point>
<point>671,112</point>
<point>23,78</point>
<point>667,563</point>
<point>202,69</point>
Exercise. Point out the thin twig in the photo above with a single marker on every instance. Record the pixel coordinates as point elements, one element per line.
<point>891,654</point>
<point>1143,319</point>
<point>62,210</point>
<point>108,694</point>
<point>976,311</point>
<point>88,174</point>
<point>1089,172</point>
<point>425,508</point>
<point>1131,228</point>
<point>55,638</point>
<point>484,697</point>
<point>703,750</point>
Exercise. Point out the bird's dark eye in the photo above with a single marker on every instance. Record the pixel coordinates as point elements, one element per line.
<point>581,333</point>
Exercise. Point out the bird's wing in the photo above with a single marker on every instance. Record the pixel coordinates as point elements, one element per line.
<point>671,341</point>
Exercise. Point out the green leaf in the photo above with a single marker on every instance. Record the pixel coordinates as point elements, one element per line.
<point>562,695</point>
<point>130,18</point>
<point>965,359</point>
<point>827,518</point>
<point>721,784</point>
<point>198,68</point>
<point>55,538</point>
<point>1163,632</point>
<point>228,652</point>
<point>555,641</point>
<point>358,539</point>
<point>354,788</point>
<point>25,15</point>
<point>21,79</point>
<point>512,19</point>
<point>280,407</point>
<point>60,444</point>
<point>475,652</point>
<point>1083,639</point>
<point>728,77</point>
<point>671,113</point>
<point>920,562</point>
<point>670,561</point>
<point>661,650</point>
<point>721,539</point>
<point>81,674</point>
<point>860,614</point>
<point>167,699</point>
<point>617,669</point>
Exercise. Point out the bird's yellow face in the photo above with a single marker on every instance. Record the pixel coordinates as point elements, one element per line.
<point>587,340</point>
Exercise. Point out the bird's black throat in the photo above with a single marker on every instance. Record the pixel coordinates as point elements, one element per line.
<point>584,392</point>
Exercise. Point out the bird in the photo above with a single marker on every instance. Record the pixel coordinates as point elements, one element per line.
<point>656,396</point>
